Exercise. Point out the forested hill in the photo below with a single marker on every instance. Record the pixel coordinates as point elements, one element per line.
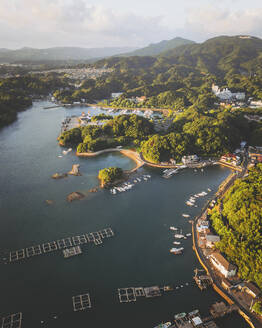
<point>220,56</point>
<point>155,49</point>
<point>239,225</point>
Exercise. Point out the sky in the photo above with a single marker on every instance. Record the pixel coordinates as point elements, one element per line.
<point>123,23</point>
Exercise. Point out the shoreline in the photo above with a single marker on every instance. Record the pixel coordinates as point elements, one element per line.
<point>140,161</point>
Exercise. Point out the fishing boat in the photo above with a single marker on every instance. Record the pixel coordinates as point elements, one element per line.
<point>176,242</point>
<point>173,228</point>
<point>186,215</point>
<point>188,234</point>
<point>189,203</point>
<point>209,189</point>
<point>176,251</point>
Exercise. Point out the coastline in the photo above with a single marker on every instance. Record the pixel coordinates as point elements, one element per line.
<point>219,289</point>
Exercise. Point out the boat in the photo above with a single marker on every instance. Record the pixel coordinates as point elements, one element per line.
<point>189,203</point>
<point>186,215</point>
<point>188,234</point>
<point>164,325</point>
<point>168,288</point>
<point>176,242</point>
<point>209,189</point>
<point>60,156</point>
<point>176,251</point>
<point>169,173</point>
<point>180,315</point>
<point>173,228</point>
<point>179,235</point>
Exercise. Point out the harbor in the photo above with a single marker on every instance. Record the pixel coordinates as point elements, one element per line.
<point>42,287</point>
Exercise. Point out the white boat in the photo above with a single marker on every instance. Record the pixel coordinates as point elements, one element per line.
<point>60,156</point>
<point>173,228</point>
<point>189,203</point>
<point>176,250</point>
<point>179,236</point>
<point>209,189</point>
<point>188,234</point>
<point>176,242</point>
<point>169,173</point>
<point>186,215</point>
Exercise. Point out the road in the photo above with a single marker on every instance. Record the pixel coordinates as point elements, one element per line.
<point>198,250</point>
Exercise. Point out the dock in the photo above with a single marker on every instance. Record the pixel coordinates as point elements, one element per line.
<point>202,281</point>
<point>73,251</point>
<point>95,237</point>
<point>81,302</point>
<point>12,321</point>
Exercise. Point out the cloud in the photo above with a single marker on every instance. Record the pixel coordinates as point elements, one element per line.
<point>67,22</point>
<point>209,21</point>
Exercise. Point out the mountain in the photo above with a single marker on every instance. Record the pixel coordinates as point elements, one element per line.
<point>58,53</point>
<point>155,49</point>
<point>223,54</point>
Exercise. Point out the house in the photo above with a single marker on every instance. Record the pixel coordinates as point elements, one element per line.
<point>190,159</point>
<point>211,240</point>
<point>255,154</point>
<point>203,226</point>
<point>140,99</point>
<point>222,265</point>
<point>230,158</point>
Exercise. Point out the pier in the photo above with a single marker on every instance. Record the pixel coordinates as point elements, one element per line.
<point>12,321</point>
<point>92,237</point>
<point>81,302</point>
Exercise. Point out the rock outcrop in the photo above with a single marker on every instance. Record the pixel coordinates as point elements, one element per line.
<point>75,170</point>
<point>76,195</point>
<point>59,175</point>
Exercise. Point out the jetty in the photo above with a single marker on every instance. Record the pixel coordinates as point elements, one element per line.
<point>92,237</point>
<point>81,302</point>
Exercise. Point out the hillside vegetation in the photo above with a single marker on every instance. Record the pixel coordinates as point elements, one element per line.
<point>240,225</point>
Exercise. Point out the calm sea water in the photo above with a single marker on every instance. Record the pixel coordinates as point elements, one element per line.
<point>42,287</point>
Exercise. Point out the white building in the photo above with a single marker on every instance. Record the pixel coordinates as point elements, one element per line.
<point>222,265</point>
<point>190,159</point>
<point>226,94</point>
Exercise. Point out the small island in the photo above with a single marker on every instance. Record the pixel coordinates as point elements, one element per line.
<point>110,176</point>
